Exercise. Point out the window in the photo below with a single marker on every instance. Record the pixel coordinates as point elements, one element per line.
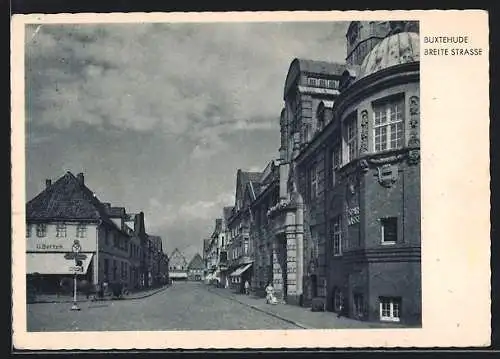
<point>41,230</point>
<point>358,309</point>
<point>351,133</point>
<point>338,300</point>
<point>28,230</point>
<point>314,180</point>
<point>322,83</point>
<point>333,84</point>
<point>81,231</point>
<point>390,308</point>
<point>115,268</point>
<point>245,248</point>
<point>311,81</point>
<point>106,267</point>
<point>337,236</point>
<point>336,163</point>
<point>389,229</point>
<point>60,230</point>
<point>388,125</point>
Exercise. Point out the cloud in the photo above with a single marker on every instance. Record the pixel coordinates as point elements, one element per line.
<point>201,81</point>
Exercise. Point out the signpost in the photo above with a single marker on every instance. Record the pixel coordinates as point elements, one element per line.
<point>76,248</point>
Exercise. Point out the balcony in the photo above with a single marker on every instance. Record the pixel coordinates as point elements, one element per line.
<point>277,216</point>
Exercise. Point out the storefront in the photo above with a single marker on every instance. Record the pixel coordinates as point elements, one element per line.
<point>50,272</point>
<point>240,276</point>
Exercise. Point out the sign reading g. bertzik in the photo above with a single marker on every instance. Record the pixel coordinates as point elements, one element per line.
<point>51,242</point>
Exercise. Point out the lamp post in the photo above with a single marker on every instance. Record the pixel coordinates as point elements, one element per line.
<point>76,248</point>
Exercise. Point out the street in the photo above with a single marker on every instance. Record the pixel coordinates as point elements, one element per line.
<point>183,306</point>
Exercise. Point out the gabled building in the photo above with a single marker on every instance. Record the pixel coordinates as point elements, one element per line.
<point>241,254</point>
<point>178,266</point>
<point>196,268</point>
<point>65,212</point>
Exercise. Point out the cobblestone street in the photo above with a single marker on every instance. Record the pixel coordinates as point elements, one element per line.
<point>183,306</point>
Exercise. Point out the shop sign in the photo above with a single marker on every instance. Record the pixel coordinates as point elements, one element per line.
<point>353,215</point>
<point>76,269</point>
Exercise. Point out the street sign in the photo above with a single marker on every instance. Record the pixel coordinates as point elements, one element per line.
<point>76,247</point>
<point>80,256</point>
<point>76,269</point>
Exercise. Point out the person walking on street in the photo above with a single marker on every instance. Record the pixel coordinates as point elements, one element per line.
<point>247,287</point>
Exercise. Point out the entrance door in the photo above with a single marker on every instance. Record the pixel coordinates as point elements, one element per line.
<point>314,286</point>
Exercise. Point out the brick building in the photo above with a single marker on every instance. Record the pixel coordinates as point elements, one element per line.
<point>343,218</point>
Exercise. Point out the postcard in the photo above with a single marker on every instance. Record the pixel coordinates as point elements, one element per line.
<point>251,180</point>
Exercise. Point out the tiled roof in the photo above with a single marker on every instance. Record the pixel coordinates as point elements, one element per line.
<point>66,199</point>
<point>320,67</point>
<point>196,262</point>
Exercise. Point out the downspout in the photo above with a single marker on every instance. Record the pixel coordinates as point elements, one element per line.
<point>96,265</point>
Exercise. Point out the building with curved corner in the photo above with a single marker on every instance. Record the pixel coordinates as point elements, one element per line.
<point>346,224</point>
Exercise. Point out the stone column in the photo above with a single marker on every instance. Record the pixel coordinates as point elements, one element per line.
<point>291,255</point>
<point>277,274</point>
<point>299,238</point>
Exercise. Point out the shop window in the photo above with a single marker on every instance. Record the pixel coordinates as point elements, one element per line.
<point>358,307</point>
<point>389,230</point>
<point>390,309</point>
<point>61,230</point>
<point>28,230</point>
<point>388,125</point>
<point>337,236</point>
<point>322,83</point>
<point>41,230</point>
<point>351,137</point>
<point>81,230</point>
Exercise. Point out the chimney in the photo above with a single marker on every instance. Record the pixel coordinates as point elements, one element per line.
<point>48,183</point>
<point>80,178</point>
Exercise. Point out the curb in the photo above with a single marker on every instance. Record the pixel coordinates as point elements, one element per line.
<point>100,300</point>
<point>302,326</point>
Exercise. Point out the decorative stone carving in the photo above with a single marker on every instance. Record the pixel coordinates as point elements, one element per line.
<point>414,105</point>
<point>414,140</point>
<point>387,159</point>
<point>363,165</point>
<point>413,156</point>
<point>363,147</point>
<point>387,175</point>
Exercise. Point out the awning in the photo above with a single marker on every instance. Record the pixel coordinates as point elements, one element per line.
<point>177,275</point>
<point>241,270</point>
<point>55,263</point>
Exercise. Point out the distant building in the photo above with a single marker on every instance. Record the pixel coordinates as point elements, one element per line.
<point>216,254</point>
<point>159,261</point>
<point>178,266</point>
<point>195,268</point>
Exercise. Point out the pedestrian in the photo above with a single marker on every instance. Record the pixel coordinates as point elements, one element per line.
<point>270,298</point>
<point>247,288</point>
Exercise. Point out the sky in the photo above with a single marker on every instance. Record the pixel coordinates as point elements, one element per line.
<point>160,116</point>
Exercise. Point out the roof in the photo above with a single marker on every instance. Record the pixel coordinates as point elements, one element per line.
<point>320,67</point>
<point>206,244</point>
<point>226,212</point>
<point>298,66</point>
<point>196,262</point>
<point>397,49</point>
<point>67,199</point>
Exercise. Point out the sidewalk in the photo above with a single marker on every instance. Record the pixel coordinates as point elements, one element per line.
<point>80,298</point>
<point>300,316</point>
